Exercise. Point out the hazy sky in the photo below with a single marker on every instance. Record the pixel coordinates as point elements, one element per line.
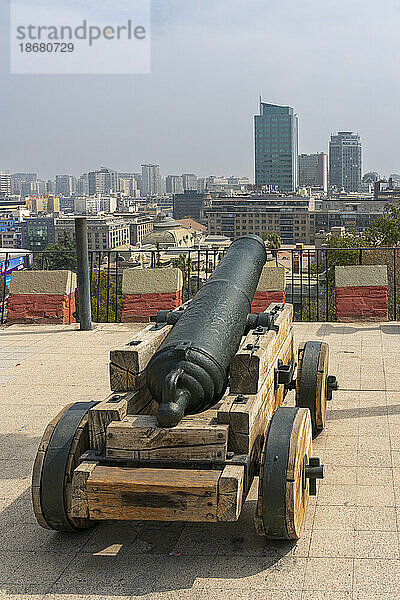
<point>335,61</point>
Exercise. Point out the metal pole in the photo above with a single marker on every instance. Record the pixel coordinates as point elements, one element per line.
<point>82,258</point>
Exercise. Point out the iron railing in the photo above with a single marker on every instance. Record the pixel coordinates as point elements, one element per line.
<point>309,275</point>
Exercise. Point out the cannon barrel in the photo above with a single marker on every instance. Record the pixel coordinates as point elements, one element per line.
<point>189,372</point>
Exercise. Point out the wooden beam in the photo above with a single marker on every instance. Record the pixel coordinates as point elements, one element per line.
<point>140,437</point>
<point>128,361</point>
<point>115,408</point>
<point>249,366</point>
<point>249,417</point>
<point>153,494</point>
<point>230,493</point>
<point>79,497</point>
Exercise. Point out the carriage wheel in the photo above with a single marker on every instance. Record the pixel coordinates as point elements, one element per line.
<point>286,467</point>
<point>65,439</point>
<point>313,384</point>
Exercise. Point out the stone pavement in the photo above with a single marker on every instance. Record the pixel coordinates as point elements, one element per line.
<point>349,550</point>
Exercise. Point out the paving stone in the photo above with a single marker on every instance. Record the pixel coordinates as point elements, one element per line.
<point>375,496</point>
<point>332,543</point>
<point>331,574</point>
<point>376,575</point>
<point>326,595</point>
<point>375,476</point>
<point>376,519</point>
<point>336,495</point>
<point>330,517</point>
<point>376,544</point>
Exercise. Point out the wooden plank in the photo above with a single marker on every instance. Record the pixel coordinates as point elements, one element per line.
<point>140,437</point>
<point>128,361</point>
<point>115,408</point>
<point>230,493</point>
<point>153,494</point>
<point>250,364</point>
<point>79,498</point>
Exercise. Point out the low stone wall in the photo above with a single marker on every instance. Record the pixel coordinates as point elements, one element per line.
<point>146,291</point>
<point>271,288</point>
<point>42,297</point>
<point>361,293</point>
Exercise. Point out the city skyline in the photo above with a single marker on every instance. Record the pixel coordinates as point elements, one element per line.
<point>329,62</point>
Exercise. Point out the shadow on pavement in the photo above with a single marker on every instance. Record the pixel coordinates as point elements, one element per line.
<point>134,558</point>
<point>343,328</point>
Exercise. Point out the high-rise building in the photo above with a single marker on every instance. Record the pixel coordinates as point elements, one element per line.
<point>173,184</point>
<point>313,170</point>
<point>104,181</point>
<point>127,184</point>
<point>5,184</point>
<point>345,161</point>
<point>189,181</point>
<point>83,185</point>
<point>65,185</point>
<point>276,147</point>
<point>43,204</point>
<point>21,183</point>
<point>151,180</point>
<point>139,181</point>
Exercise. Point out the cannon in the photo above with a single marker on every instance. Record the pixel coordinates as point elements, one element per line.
<point>198,410</point>
<point>189,372</point>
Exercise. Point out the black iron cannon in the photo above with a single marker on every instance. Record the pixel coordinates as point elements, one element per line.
<point>189,372</point>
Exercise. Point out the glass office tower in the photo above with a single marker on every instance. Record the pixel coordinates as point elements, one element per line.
<point>276,147</point>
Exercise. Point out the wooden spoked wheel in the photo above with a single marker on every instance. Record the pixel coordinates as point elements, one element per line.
<point>311,382</point>
<point>283,490</point>
<point>65,439</point>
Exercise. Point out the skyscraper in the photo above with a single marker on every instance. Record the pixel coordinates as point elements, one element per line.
<point>345,161</point>
<point>313,170</point>
<point>173,184</point>
<point>104,181</point>
<point>5,183</point>
<point>151,180</point>
<point>189,181</point>
<point>65,185</point>
<point>276,144</point>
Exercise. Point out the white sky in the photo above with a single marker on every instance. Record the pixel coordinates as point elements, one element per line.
<point>335,61</point>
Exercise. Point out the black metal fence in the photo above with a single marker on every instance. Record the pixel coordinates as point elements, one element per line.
<point>309,275</point>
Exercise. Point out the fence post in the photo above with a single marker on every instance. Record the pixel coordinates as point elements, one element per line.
<point>82,257</point>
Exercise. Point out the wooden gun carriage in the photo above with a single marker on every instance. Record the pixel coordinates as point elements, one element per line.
<point>114,460</point>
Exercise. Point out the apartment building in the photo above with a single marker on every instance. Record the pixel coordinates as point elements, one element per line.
<point>291,216</point>
<point>104,233</point>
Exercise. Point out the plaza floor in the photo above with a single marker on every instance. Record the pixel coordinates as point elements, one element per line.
<point>350,546</point>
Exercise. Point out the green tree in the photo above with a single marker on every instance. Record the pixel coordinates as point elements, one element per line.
<point>61,255</point>
<point>273,243</point>
<point>182,263</point>
<point>99,296</point>
<point>385,230</point>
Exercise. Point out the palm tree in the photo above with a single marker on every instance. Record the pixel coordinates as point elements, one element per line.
<point>273,243</point>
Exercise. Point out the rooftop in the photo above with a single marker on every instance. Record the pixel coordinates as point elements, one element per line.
<point>349,550</point>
